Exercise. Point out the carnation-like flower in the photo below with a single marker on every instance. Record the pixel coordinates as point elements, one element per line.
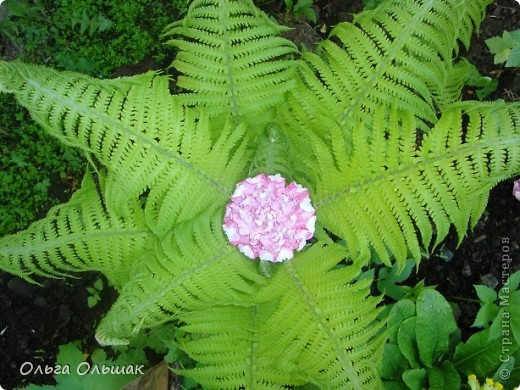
<point>516,189</point>
<point>268,220</point>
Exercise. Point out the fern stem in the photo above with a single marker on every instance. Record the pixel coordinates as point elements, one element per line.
<point>454,298</point>
<point>229,60</point>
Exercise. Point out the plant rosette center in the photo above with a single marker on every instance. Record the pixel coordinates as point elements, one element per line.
<point>267,219</point>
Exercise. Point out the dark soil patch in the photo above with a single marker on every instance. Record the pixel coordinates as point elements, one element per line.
<point>484,257</point>
<point>36,320</point>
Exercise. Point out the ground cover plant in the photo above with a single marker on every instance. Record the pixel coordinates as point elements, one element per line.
<point>92,36</point>
<point>371,126</point>
<point>25,189</point>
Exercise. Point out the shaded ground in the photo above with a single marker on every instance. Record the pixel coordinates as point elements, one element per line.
<point>35,320</point>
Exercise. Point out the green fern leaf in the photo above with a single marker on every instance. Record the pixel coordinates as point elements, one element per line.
<point>232,60</point>
<point>231,352</point>
<point>380,201</point>
<point>81,235</point>
<point>307,325</point>
<point>183,191</point>
<point>272,154</point>
<point>114,120</point>
<point>404,59</point>
<point>136,129</point>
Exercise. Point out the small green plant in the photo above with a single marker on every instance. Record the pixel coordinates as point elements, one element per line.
<point>420,338</point>
<point>506,48</point>
<point>76,370</point>
<point>113,367</point>
<point>302,8</point>
<point>481,85</point>
<point>388,278</point>
<point>424,349</point>
<point>94,293</point>
<point>498,308</point>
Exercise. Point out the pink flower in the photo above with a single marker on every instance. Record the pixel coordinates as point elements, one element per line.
<point>267,220</point>
<point>516,189</point>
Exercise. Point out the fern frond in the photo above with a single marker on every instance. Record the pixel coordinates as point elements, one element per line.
<point>231,351</point>
<point>379,200</point>
<point>308,325</point>
<point>133,126</point>
<point>114,120</point>
<point>232,60</point>
<point>80,235</point>
<point>192,268</point>
<point>401,52</point>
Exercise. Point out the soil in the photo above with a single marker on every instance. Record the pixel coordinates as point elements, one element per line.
<point>35,319</point>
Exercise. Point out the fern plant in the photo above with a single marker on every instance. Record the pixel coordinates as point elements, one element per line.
<point>371,124</point>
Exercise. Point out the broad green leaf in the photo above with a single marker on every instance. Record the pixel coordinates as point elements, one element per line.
<point>486,314</point>
<point>436,379</point>
<point>434,325</point>
<point>400,311</point>
<point>394,363</point>
<point>415,379</point>
<point>478,355</point>
<point>506,367</point>
<point>495,330</point>
<point>485,293</point>
<point>507,321</point>
<point>500,47</point>
<point>444,377</point>
<point>451,376</point>
<point>98,285</point>
<point>512,282</point>
<point>92,301</point>
<point>389,277</point>
<point>514,374</point>
<point>513,60</point>
<point>407,342</point>
<point>70,354</point>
